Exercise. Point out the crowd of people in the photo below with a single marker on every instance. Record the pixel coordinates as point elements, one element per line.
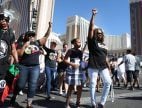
<point>126,69</point>
<point>65,70</point>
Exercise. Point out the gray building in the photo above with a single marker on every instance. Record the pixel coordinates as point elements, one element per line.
<point>136,25</point>
<point>77,27</point>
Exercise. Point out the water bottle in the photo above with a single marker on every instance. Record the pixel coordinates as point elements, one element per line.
<point>112,94</point>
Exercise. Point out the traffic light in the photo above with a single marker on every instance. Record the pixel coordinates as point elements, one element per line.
<point>34,25</point>
<point>34,13</point>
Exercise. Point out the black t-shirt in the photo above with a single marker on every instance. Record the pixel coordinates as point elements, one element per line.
<point>61,65</point>
<point>50,58</point>
<point>6,39</point>
<point>31,54</point>
<point>75,54</point>
<point>97,54</point>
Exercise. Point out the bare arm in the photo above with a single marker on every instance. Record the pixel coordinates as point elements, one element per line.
<point>21,50</point>
<point>107,62</point>
<point>59,57</point>
<point>120,63</point>
<point>14,53</point>
<point>91,25</point>
<point>43,39</point>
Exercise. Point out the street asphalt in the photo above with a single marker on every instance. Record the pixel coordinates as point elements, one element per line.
<point>123,98</point>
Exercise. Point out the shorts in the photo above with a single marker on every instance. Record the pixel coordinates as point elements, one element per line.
<point>62,73</point>
<point>136,74</point>
<point>129,75</point>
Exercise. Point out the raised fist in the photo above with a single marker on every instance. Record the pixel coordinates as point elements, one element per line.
<point>94,11</point>
<point>50,24</point>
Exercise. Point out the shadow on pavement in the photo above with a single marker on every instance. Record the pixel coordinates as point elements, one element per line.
<point>49,104</point>
<point>133,98</point>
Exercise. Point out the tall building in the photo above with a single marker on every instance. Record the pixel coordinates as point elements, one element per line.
<point>136,25</point>
<point>29,15</point>
<point>77,27</point>
<point>117,44</point>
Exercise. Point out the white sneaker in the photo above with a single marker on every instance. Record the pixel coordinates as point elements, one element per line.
<point>21,93</point>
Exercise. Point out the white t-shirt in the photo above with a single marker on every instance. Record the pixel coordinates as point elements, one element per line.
<point>121,68</point>
<point>130,61</point>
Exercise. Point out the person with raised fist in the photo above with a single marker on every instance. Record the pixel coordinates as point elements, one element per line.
<point>98,62</point>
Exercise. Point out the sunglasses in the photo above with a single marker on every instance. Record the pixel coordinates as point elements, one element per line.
<point>31,36</point>
<point>99,33</point>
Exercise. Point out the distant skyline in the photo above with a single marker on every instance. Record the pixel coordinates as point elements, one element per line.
<point>113,15</point>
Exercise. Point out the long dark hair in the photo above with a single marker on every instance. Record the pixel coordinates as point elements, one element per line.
<point>96,34</point>
<point>28,34</point>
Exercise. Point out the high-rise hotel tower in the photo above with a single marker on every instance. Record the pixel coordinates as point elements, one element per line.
<point>77,27</point>
<point>136,25</point>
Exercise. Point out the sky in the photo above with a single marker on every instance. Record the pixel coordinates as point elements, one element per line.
<point>113,15</point>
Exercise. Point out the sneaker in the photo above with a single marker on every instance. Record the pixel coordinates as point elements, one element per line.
<point>118,85</point>
<point>75,92</point>
<point>48,98</point>
<point>100,106</point>
<point>99,91</point>
<point>77,104</point>
<point>84,85</point>
<point>60,93</point>
<point>138,86</point>
<point>21,93</point>
<point>131,88</point>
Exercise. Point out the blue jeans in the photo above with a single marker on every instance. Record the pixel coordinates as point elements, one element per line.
<point>28,74</point>
<point>50,77</point>
<point>105,75</point>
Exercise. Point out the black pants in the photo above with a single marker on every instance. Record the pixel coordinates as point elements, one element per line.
<point>3,70</point>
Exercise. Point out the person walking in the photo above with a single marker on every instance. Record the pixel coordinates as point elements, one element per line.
<point>130,62</point>
<point>50,68</point>
<point>74,75</point>
<point>7,45</point>
<point>61,69</point>
<point>137,72</point>
<point>121,70</point>
<point>7,49</point>
<point>29,68</point>
<point>98,62</point>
